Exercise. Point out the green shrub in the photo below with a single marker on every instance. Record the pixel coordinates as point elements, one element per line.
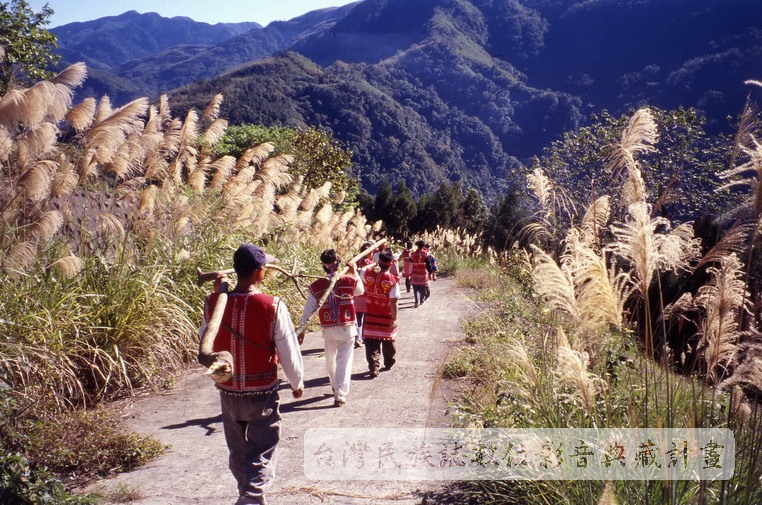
<point>20,484</point>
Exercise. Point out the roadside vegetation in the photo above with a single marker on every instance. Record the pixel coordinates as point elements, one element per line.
<point>634,304</point>
<point>106,215</point>
<point>616,316</point>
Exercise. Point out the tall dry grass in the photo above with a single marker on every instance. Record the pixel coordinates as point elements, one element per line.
<point>636,325</point>
<point>105,212</point>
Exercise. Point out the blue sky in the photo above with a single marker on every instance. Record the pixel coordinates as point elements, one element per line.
<point>215,11</point>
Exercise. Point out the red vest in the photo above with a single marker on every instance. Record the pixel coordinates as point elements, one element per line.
<point>339,308</point>
<point>251,317</point>
<point>361,302</point>
<point>419,276</point>
<point>407,266</point>
<point>378,318</point>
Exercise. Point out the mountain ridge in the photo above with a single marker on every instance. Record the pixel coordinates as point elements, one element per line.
<point>464,90</point>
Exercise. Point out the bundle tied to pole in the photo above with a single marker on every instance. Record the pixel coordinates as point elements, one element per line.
<point>338,275</point>
<point>221,369</point>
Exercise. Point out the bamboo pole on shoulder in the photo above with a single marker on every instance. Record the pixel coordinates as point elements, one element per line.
<point>338,275</point>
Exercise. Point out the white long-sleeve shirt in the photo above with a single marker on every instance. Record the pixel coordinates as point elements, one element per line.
<point>332,332</point>
<point>287,346</point>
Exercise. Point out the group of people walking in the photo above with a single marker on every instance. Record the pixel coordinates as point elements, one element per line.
<point>245,333</point>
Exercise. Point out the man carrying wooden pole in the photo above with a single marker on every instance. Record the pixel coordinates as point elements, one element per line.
<point>333,298</point>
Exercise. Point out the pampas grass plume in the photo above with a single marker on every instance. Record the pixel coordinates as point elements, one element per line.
<point>221,168</point>
<point>82,115</point>
<point>111,226</point>
<point>215,132</point>
<point>22,257</point>
<point>68,267</point>
<point>212,111</point>
<point>552,284</point>
<point>72,76</point>
<point>48,225</point>
<point>36,181</point>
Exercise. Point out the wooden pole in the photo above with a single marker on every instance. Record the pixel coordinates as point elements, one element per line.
<point>338,275</point>
<point>203,277</point>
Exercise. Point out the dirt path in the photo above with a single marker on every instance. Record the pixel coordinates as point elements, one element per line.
<point>187,419</point>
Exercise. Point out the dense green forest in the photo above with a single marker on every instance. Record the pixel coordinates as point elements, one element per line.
<point>454,90</point>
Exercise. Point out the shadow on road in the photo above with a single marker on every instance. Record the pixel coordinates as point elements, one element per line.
<point>205,423</point>
<point>301,405</point>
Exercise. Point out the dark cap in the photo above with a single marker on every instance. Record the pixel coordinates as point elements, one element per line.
<point>250,258</point>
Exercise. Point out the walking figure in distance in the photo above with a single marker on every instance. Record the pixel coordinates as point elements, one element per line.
<point>382,293</point>
<point>407,264</point>
<point>420,276</point>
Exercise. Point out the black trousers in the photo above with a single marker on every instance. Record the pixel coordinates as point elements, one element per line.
<point>375,348</point>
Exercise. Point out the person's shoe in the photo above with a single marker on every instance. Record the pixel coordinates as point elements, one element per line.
<point>416,305</point>
<point>339,402</point>
<point>390,365</point>
<point>358,344</point>
<point>373,374</point>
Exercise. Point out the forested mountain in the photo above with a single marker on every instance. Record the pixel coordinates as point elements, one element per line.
<point>110,41</point>
<point>466,90</point>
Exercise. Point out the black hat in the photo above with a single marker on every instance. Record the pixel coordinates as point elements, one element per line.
<point>250,258</point>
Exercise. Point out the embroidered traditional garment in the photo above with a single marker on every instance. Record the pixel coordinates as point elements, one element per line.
<point>246,333</point>
<point>419,277</point>
<point>378,317</point>
<point>361,302</point>
<point>339,308</point>
<point>407,265</point>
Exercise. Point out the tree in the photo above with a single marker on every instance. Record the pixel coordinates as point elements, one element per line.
<point>318,157</point>
<point>680,172</point>
<point>383,203</point>
<point>238,139</point>
<point>403,211</point>
<point>475,212</point>
<point>506,218</point>
<point>28,47</point>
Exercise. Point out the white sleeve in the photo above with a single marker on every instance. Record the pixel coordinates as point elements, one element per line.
<point>359,287</point>
<point>395,291</point>
<point>309,308</point>
<point>287,345</point>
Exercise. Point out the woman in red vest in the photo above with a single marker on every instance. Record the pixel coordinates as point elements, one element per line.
<point>381,292</point>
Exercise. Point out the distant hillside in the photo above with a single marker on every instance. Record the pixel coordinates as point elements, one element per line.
<point>165,71</point>
<point>107,42</point>
<point>429,90</point>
